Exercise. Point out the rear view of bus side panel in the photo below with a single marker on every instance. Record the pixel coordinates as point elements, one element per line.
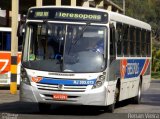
<point>5,57</point>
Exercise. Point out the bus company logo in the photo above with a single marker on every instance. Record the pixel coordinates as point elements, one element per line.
<point>5,59</point>
<point>36,79</point>
<point>133,68</point>
<point>60,87</point>
<point>4,68</point>
<point>123,66</point>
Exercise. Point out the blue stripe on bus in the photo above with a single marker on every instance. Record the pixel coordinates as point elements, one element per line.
<point>70,82</point>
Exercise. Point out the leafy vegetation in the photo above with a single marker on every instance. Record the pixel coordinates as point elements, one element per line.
<point>155,60</point>
<point>156,75</point>
<point>145,10</point>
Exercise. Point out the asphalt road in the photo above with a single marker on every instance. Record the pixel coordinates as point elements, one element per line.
<point>11,108</point>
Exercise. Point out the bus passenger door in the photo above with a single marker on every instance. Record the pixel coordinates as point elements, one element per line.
<point>112,62</point>
<point>112,66</point>
<point>112,44</point>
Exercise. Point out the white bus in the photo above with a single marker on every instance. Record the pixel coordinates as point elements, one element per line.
<point>5,57</point>
<point>84,56</point>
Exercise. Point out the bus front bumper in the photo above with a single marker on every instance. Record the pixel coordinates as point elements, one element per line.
<point>95,97</point>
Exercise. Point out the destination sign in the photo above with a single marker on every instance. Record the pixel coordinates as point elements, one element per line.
<point>41,14</point>
<point>66,14</point>
<point>79,16</point>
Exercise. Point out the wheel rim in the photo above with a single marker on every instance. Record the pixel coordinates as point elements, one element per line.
<point>139,93</point>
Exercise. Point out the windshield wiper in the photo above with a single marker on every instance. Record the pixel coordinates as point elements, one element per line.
<point>78,36</point>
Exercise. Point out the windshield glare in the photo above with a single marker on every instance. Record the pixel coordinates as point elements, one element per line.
<point>64,48</point>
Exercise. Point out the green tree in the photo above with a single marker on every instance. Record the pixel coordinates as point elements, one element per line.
<point>155,60</point>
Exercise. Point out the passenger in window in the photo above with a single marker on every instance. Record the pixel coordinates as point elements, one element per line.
<point>96,47</point>
<point>41,48</point>
<point>31,55</point>
<point>95,44</point>
<point>50,53</point>
<point>99,47</point>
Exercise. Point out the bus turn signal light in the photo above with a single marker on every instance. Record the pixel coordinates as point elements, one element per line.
<point>36,79</point>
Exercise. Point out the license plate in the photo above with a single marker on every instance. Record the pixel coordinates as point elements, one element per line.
<point>60,96</point>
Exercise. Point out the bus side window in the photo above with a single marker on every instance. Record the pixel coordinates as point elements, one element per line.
<point>143,43</point>
<point>112,43</point>
<point>138,41</point>
<point>8,41</point>
<point>120,39</point>
<point>1,41</point>
<point>148,48</point>
<point>5,41</point>
<point>132,41</point>
<point>125,40</point>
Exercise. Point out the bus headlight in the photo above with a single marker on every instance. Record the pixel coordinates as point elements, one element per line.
<point>24,76</point>
<point>100,81</point>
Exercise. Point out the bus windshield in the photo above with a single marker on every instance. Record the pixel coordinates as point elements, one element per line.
<point>64,47</point>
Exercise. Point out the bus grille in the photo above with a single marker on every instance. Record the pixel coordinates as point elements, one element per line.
<point>61,88</point>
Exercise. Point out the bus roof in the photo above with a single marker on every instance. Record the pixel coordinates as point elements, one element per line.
<point>5,29</point>
<point>69,7</point>
<point>113,16</point>
<point>128,20</point>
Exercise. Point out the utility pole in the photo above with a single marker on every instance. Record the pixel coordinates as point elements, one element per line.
<point>39,3</point>
<point>58,2</point>
<point>124,5</point>
<point>73,2</point>
<point>85,3</point>
<point>14,46</point>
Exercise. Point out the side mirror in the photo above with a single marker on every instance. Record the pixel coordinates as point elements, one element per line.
<point>20,35</point>
<point>21,26</point>
<point>21,30</point>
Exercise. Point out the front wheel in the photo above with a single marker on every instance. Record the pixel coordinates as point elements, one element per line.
<point>111,107</point>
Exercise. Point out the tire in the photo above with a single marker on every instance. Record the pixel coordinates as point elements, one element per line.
<point>137,99</point>
<point>111,107</point>
<point>44,107</point>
